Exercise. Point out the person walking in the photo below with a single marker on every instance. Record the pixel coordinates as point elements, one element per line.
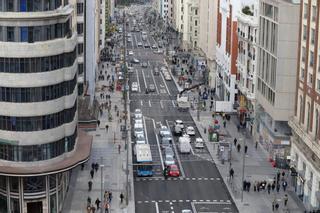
<point>273,186</point>
<point>93,209</point>
<point>245,149</point>
<point>238,147</point>
<point>90,185</point>
<point>92,165</point>
<point>278,188</point>
<point>231,172</point>
<point>256,146</point>
<point>224,124</point>
<point>274,204</point>
<point>269,188</point>
<point>96,166</point>
<point>82,166</point>
<point>98,123</point>
<point>89,201</point>
<point>235,141</point>
<point>98,203</point>
<point>92,173</point>
<point>284,185</point>
<point>107,127</point>
<point>119,148</point>
<point>110,197</point>
<point>121,197</point>
<point>248,186</point>
<point>285,200</point>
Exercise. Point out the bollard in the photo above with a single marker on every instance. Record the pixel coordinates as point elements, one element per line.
<point>205,130</point>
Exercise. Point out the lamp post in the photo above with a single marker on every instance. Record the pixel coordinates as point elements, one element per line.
<point>243,166</point>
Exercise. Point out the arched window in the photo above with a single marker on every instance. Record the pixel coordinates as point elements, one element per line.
<point>301,109</point>
<point>308,117</point>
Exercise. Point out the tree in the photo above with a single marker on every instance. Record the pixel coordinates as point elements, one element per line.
<point>246,10</point>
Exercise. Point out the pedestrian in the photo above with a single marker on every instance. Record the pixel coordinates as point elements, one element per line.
<point>285,199</point>
<point>278,176</point>
<point>224,124</point>
<point>278,187</point>
<point>90,185</point>
<point>258,186</point>
<point>93,209</point>
<point>106,195</point>
<point>82,166</point>
<point>211,107</point>
<point>248,186</point>
<point>89,201</point>
<point>245,149</point>
<point>283,174</point>
<point>110,197</point>
<point>92,173</point>
<point>238,128</point>
<point>284,185</point>
<point>231,172</point>
<point>256,145</point>
<point>121,197</point>
<point>96,166</point>
<point>107,127</point>
<point>269,188</point>
<point>119,148</point>
<point>274,204</point>
<point>106,207</point>
<point>92,165</point>
<point>98,203</point>
<point>98,122</point>
<point>273,186</point>
<point>235,141</point>
<point>238,147</point>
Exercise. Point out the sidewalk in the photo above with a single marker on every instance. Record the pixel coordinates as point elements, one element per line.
<point>257,168</point>
<point>104,152</point>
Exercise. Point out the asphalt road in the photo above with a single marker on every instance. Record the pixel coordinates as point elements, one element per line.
<point>200,186</point>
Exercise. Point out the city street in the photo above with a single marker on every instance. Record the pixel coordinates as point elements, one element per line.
<point>200,186</point>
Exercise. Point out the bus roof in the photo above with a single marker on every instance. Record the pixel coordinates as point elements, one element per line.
<point>143,153</point>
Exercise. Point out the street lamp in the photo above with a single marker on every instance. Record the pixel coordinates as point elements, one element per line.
<point>243,165</point>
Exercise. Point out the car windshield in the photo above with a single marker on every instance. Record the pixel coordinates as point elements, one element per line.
<point>174,168</point>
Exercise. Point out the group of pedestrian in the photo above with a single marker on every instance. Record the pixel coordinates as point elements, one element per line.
<point>90,207</point>
<point>238,145</point>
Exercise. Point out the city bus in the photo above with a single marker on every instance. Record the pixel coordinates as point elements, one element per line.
<point>144,160</point>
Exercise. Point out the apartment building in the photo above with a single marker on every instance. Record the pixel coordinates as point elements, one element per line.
<point>39,139</point>
<point>207,35</point>
<point>305,148</point>
<point>247,62</point>
<point>186,22</point>
<point>227,51</point>
<point>276,75</point>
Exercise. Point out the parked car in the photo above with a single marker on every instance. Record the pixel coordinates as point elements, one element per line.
<point>169,151</point>
<point>165,142</point>
<point>130,52</point>
<point>135,61</point>
<point>154,46</point>
<point>156,71</point>
<point>139,44</point>
<point>167,77</point>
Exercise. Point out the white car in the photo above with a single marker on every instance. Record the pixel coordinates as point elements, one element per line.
<point>167,77</point>
<point>179,123</point>
<point>140,139</point>
<point>190,131</point>
<point>138,121</point>
<point>137,111</point>
<point>134,87</point>
<point>130,69</point>
<point>169,160</point>
<point>154,46</point>
<point>139,44</point>
<point>199,144</point>
<point>130,52</point>
<point>138,130</point>
<point>163,129</point>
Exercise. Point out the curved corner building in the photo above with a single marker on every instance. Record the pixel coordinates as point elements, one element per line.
<point>39,141</point>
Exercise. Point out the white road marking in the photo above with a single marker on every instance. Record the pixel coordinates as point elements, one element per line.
<point>138,80</point>
<point>134,43</point>
<point>144,79</point>
<point>165,84</point>
<point>161,105</point>
<point>167,201</point>
<point>180,201</point>
<point>150,104</point>
<point>145,129</point>
<point>141,103</point>
<point>157,207</point>
<point>154,81</point>
<point>159,149</point>
<point>177,154</point>
<point>173,104</point>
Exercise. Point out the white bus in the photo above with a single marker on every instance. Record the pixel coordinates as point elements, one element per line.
<point>144,160</point>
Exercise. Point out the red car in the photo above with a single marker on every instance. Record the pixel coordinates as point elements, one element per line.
<point>173,171</point>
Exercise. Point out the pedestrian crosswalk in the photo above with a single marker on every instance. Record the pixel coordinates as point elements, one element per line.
<point>204,201</point>
<point>178,178</point>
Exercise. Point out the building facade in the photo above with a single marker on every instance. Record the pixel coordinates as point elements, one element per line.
<point>227,51</point>
<point>305,148</point>
<point>247,62</point>
<point>277,62</point>
<point>207,35</point>
<point>81,44</point>
<point>39,140</point>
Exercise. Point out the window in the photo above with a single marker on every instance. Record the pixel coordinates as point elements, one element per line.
<point>195,23</point>
<point>312,36</point>
<point>308,117</point>
<point>310,78</point>
<point>301,109</point>
<point>316,124</point>
<point>311,58</point>
<point>314,13</point>
<point>196,12</point>
<point>10,34</point>
<point>304,32</point>
<point>305,10</point>
<point>303,54</point>
<point>302,73</point>
<point>318,85</point>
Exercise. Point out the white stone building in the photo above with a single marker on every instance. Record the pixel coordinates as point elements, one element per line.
<point>39,139</point>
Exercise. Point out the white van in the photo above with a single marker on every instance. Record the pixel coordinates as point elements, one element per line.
<point>138,129</point>
<point>184,145</point>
